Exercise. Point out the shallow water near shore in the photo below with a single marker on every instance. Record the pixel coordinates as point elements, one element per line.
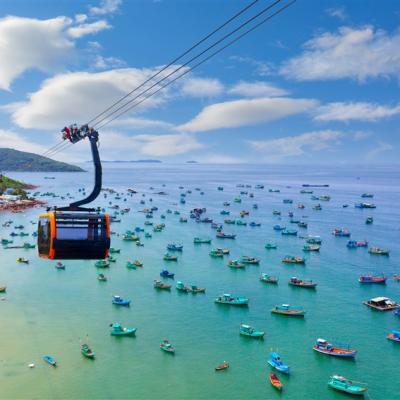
<point>47,311</point>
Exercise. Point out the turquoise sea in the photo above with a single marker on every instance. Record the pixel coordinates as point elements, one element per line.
<point>47,311</point>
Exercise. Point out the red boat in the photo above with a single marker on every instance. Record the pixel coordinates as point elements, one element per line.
<point>372,279</point>
<point>222,366</point>
<point>275,382</point>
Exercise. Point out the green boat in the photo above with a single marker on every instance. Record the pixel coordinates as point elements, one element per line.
<point>200,240</point>
<point>216,253</point>
<point>270,246</point>
<point>229,221</point>
<point>130,238</point>
<point>345,385</point>
<point>28,246</point>
<point>235,264</point>
<point>102,264</point>
<point>240,222</point>
<point>148,235</point>
<point>113,251</point>
<point>170,257</point>
<point>118,330</point>
<point>232,300</point>
<point>87,352</point>
<point>247,330</point>
<point>167,347</point>
<point>249,260</point>
<point>268,278</point>
<point>111,259</point>
<point>5,242</point>
<point>180,287</point>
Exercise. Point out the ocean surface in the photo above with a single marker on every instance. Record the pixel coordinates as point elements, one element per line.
<point>47,311</point>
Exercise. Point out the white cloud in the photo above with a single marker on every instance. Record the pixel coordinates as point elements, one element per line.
<point>380,147</point>
<point>262,68</point>
<point>350,53</point>
<point>231,114</point>
<point>140,123</point>
<point>31,43</point>
<point>339,12</point>
<point>76,97</point>
<point>13,140</point>
<point>80,18</point>
<point>106,7</point>
<point>257,89</point>
<point>88,29</point>
<point>219,159</point>
<point>289,146</point>
<point>361,111</point>
<point>101,62</point>
<point>202,87</point>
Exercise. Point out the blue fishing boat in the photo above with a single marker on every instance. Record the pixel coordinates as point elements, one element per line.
<point>166,274</point>
<point>395,336</point>
<point>372,279</point>
<point>50,360</point>
<point>276,362</point>
<point>232,300</point>
<point>119,301</point>
<point>175,247</point>
<point>247,330</point>
<point>118,330</point>
<point>289,232</point>
<point>279,228</point>
<point>254,224</point>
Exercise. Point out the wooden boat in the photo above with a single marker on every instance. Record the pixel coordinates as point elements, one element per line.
<point>180,287</point>
<point>50,360</point>
<point>276,362</point>
<point>345,385</point>
<point>222,367</point>
<point>395,336</point>
<point>341,232</point>
<point>167,347</point>
<point>202,240</point>
<point>322,346</point>
<point>3,289</point>
<point>289,232</point>
<point>119,301</point>
<point>22,260</point>
<point>369,221</point>
<point>268,279</point>
<point>286,309</point>
<point>223,251</point>
<point>249,331</point>
<point>382,304</point>
<point>232,300</point>
<point>102,264</point>
<point>300,283</point>
<point>161,285</point>
<point>87,351</point>
<point>170,257</point>
<point>313,239</point>
<point>174,247</point>
<point>111,259</point>
<point>311,247</point>
<point>369,279</point>
<point>378,251</point>
<point>195,289</point>
<point>166,274</point>
<point>293,260</point>
<point>101,278</point>
<point>275,382</point>
<point>222,235</point>
<point>235,264</point>
<point>118,330</point>
<point>270,246</point>
<point>60,265</point>
<point>216,253</point>
<point>250,260</point>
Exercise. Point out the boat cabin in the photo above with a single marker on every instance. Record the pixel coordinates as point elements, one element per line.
<point>382,304</point>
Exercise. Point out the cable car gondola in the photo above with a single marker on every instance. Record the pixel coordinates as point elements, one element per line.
<point>75,232</point>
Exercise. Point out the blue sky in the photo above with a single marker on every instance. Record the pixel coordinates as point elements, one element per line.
<point>317,84</point>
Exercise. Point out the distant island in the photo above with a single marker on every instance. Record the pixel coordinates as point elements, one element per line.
<point>130,161</point>
<point>14,160</point>
<point>191,162</point>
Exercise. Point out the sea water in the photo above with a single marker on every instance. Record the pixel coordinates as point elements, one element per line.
<point>48,311</point>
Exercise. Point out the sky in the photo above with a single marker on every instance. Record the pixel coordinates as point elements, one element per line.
<point>316,84</point>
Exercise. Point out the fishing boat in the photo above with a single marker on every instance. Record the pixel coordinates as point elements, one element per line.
<point>302,283</point>
<point>50,360</point>
<point>353,244</point>
<point>293,260</point>
<point>367,195</point>
<point>22,260</point>
<point>255,224</point>
<point>222,367</point>
<point>382,304</point>
<point>235,264</point>
<point>372,279</point>
<point>275,382</point>
<point>369,220</point>
<point>317,207</point>
<point>286,309</point>
<point>195,289</point>
<point>180,287</point>
<point>202,240</point>
<point>378,251</point>
<point>365,205</point>
<point>3,289</point>
<point>311,247</point>
<point>276,362</point>
<point>170,257</point>
<point>222,235</point>
<point>232,300</point>
<point>341,232</point>
<point>268,278</point>
<point>276,212</point>
<point>322,346</point>
<point>102,264</point>
<point>249,260</point>
<point>119,301</point>
<point>249,331</point>
<point>313,239</point>
<point>166,274</point>
<point>60,265</point>
<point>396,277</point>
<point>174,247</point>
<point>130,237</point>
<point>87,351</point>
<point>161,285</point>
<point>114,251</point>
<point>118,330</point>
<point>225,212</point>
<point>289,232</point>
<point>148,235</point>
<point>229,221</point>
<point>101,278</point>
<point>345,385</point>
<point>167,347</point>
<point>271,246</point>
<point>240,222</point>
<point>395,336</point>
<point>216,253</point>
<point>302,224</point>
<point>278,228</point>
<point>27,246</point>
<point>113,259</point>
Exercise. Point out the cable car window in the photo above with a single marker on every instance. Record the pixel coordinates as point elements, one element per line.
<point>44,235</point>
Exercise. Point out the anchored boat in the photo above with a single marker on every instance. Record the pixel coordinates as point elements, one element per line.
<point>286,309</point>
<point>232,300</point>
<point>276,362</point>
<point>345,385</point>
<point>322,346</point>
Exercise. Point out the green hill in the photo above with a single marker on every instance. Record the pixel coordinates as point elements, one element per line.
<point>14,160</point>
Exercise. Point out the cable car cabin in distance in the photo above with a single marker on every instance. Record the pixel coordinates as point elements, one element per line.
<point>68,235</point>
<point>75,232</point>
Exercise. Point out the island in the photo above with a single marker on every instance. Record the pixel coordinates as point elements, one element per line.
<point>132,161</point>
<point>21,161</point>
